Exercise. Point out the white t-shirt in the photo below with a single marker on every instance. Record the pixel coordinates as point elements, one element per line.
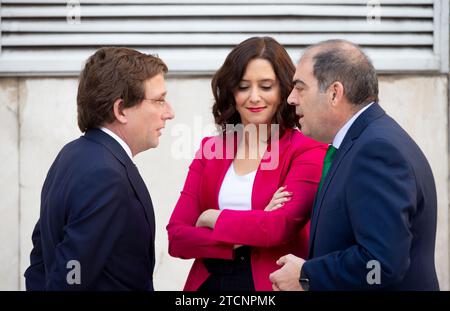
<point>236,191</point>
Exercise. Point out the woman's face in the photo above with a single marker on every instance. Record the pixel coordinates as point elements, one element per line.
<point>258,93</point>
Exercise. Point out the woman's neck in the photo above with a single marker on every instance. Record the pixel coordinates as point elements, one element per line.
<point>252,147</point>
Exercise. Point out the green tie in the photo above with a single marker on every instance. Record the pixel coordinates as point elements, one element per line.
<point>331,151</point>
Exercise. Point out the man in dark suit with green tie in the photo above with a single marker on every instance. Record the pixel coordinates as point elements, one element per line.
<point>373,224</point>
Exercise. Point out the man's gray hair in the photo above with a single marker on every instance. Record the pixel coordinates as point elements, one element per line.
<point>345,62</point>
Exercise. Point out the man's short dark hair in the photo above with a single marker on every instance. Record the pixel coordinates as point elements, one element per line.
<point>113,73</point>
<point>343,61</point>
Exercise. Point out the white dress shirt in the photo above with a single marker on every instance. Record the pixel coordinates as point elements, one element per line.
<point>119,140</point>
<point>337,141</point>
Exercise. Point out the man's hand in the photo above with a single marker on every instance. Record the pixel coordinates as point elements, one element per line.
<point>287,277</point>
<point>208,218</point>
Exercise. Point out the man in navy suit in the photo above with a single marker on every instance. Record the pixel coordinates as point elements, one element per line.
<point>373,223</point>
<point>96,228</point>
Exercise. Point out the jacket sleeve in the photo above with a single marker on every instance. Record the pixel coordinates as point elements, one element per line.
<point>381,203</point>
<point>267,229</point>
<point>185,239</point>
<point>35,274</point>
<point>97,213</point>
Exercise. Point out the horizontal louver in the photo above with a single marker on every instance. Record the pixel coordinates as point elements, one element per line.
<point>46,37</point>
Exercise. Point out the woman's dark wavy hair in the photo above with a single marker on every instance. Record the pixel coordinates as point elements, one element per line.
<point>227,78</point>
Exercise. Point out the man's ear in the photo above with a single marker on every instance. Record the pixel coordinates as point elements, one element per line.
<point>336,93</point>
<point>119,111</point>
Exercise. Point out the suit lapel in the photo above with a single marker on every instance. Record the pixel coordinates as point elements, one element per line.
<point>142,194</point>
<point>267,176</point>
<point>218,164</point>
<point>135,178</point>
<point>340,154</point>
<point>372,113</point>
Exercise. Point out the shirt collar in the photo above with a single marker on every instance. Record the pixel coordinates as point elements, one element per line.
<point>337,141</point>
<point>119,140</point>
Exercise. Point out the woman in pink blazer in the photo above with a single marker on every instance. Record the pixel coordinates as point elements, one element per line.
<point>249,192</point>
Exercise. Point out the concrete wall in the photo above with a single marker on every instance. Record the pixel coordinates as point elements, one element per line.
<point>38,116</point>
<point>9,185</point>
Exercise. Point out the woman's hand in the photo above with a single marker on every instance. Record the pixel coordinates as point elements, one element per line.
<point>208,218</point>
<point>279,198</point>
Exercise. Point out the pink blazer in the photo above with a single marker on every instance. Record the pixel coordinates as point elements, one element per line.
<point>271,234</point>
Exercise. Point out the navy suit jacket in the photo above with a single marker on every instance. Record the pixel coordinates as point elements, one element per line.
<point>95,209</point>
<point>378,202</point>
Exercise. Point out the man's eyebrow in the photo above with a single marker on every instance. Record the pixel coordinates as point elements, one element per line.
<point>163,94</point>
<point>298,81</point>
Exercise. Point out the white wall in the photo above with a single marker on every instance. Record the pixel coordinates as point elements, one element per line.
<point>9,185</point>
<point>47,120</point>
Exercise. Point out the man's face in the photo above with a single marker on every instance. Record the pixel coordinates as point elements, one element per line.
<point>311,105</point>
<point>148,118</point>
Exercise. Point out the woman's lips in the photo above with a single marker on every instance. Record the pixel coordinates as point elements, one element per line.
<point>257,109</point>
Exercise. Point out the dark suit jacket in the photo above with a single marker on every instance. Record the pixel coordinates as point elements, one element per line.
<point>95,209</point>
<point>378,202</point>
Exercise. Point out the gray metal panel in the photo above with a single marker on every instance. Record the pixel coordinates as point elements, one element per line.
<point>25,40</point>
<point>194,60</point>
<point>195,36</point>
<point>196,10</point>
<point>364,2</point>
<point>230,25</point>
<point>441,33</point>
